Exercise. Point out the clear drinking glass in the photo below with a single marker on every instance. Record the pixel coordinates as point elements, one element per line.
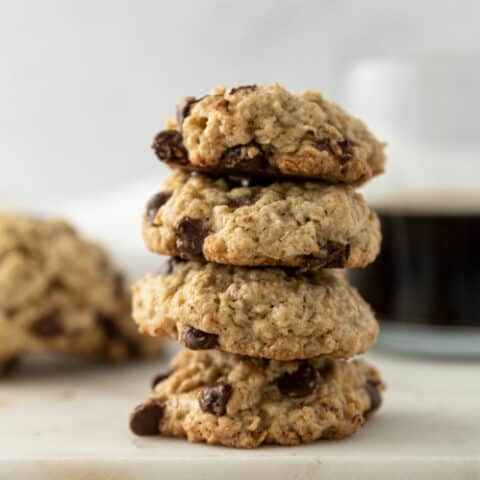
<point>425,286</point>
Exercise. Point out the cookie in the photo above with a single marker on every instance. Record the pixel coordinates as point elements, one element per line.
<point>262,312</point>
<point>267,131</point>
<point>243,402</point>
<point>302,225</point>
<point>61,293</point>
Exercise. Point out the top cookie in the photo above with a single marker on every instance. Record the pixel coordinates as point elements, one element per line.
<point>267,131</point>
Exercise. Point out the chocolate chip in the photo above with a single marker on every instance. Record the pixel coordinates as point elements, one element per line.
<point>323,145</point>
<point>342,150</point>
<point>241,202</point>
<point>160,378</point>
<point>48,326</point>
<point>198,340</point>
<point>145,419</point>
<point>154,204</point>
<point>239,159</point>
<point>336,256</point>
<point>190,234</point>
<point>8,365</point>
<point>373,392</point>
<point>243,87</point>
<point>168,146</point>
<point>214,398</point>
<point>109,325</point>
<point>299,383</point>
<point>346,147</point>
<point>236,162</point>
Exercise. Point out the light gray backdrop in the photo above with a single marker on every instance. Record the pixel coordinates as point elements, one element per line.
<point>84,85</point>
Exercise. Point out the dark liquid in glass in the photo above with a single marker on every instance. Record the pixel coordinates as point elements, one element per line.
<point>428,271</point>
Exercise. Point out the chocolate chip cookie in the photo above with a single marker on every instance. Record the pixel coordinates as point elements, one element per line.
<point>302,225</point>
<point>59,292</point>
<point>269,132</point>
<point>262,312</point>
<point>243,402</point>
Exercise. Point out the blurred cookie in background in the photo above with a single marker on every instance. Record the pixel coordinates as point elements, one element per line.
<point>62,293</point>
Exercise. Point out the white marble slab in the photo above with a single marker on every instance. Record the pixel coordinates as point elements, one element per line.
<point>69,421</point>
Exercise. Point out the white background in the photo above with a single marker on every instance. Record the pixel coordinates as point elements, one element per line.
<point>84,85</point>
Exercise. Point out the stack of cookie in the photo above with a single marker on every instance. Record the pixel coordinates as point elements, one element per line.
<point>255,234</point>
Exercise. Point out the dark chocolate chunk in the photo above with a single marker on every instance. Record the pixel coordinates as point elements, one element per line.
<point>237,159</point>
<point>190,234</point>
<point>109,325</point>
<point>323,145</point>
<point>373,392</point>
<point>154,204</point>
<point>145,419</point>
<point>168,146</point>
<point>336,257</point>
<point>48,326</point>
<point>198,340</point>
<point>214,398</point>
<point>243,87</point>
<point>342,150</point>
<point>299,383</point>
<point>346,147</point>
<point>160,378</point>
